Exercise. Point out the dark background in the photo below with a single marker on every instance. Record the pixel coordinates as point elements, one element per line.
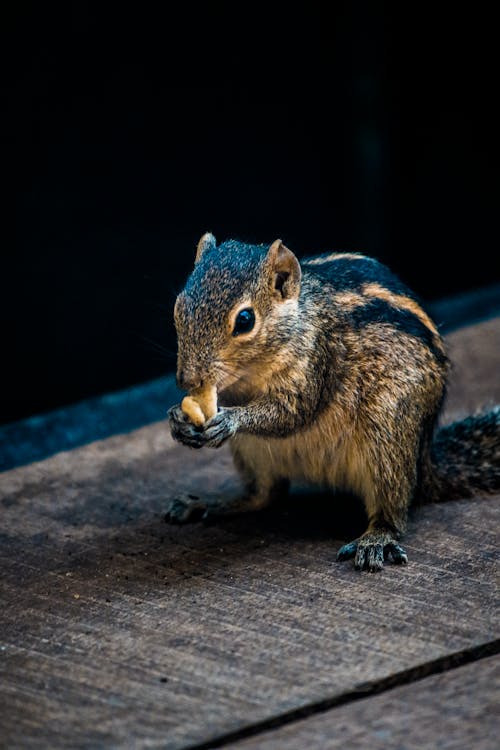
<point>128,133</point>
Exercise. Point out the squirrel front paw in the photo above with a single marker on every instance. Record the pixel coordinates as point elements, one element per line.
<point>182,429</point>
<point>186,510</point>
<point>212,434</point>
<point>370,551</point>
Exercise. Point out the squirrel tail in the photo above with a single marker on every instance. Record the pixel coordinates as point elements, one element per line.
<point>464,459</point>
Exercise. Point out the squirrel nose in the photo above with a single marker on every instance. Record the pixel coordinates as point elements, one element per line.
<point>188,381</point>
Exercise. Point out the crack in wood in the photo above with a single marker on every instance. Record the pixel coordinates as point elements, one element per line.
<point>364,690</point>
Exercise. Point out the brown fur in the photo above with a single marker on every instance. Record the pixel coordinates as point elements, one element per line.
<point>339,383</point>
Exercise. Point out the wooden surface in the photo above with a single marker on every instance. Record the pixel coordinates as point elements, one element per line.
<point>457,709</point>
<point>118,630</point>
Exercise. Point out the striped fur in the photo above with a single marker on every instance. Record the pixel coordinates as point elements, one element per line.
<point>339,384</point>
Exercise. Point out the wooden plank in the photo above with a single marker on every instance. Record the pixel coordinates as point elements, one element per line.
<point>458,710</point>
<point>119,630</point>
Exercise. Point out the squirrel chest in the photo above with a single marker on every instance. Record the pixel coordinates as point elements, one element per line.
<point>324,454</point>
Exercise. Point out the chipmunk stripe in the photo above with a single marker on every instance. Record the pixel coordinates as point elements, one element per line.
<point>379,310</point>
<point>343,274</point>
<point>374,294</point>
<point>350,299</point>
<point>321,259</point>
<point>401,301</point>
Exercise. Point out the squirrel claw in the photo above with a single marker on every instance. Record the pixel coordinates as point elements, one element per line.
<point>213,433</point>
<point>369,556</point>
<point>347,551</point>
<point>369,552</point>
<point>219,428</point>
<point>398,554</point>
<point>182,430</point>
<point>186,511</point>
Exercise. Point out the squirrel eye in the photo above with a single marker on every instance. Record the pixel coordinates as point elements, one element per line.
<point>245,321</point>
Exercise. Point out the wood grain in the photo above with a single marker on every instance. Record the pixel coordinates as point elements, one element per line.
<point>118,630</point>
<point>457,710</point>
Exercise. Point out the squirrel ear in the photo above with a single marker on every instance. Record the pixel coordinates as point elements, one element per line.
<point>285,271</point>
<point>206,242</point>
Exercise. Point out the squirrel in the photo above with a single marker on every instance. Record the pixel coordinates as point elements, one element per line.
<point>328,371</point>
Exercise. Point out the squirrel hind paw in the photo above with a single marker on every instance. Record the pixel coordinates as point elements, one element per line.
<point>371,550</point>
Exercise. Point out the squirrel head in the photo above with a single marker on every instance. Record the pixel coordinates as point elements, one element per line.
<point>236,312</point>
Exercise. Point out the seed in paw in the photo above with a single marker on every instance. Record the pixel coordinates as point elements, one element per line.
<point>200,405</point>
